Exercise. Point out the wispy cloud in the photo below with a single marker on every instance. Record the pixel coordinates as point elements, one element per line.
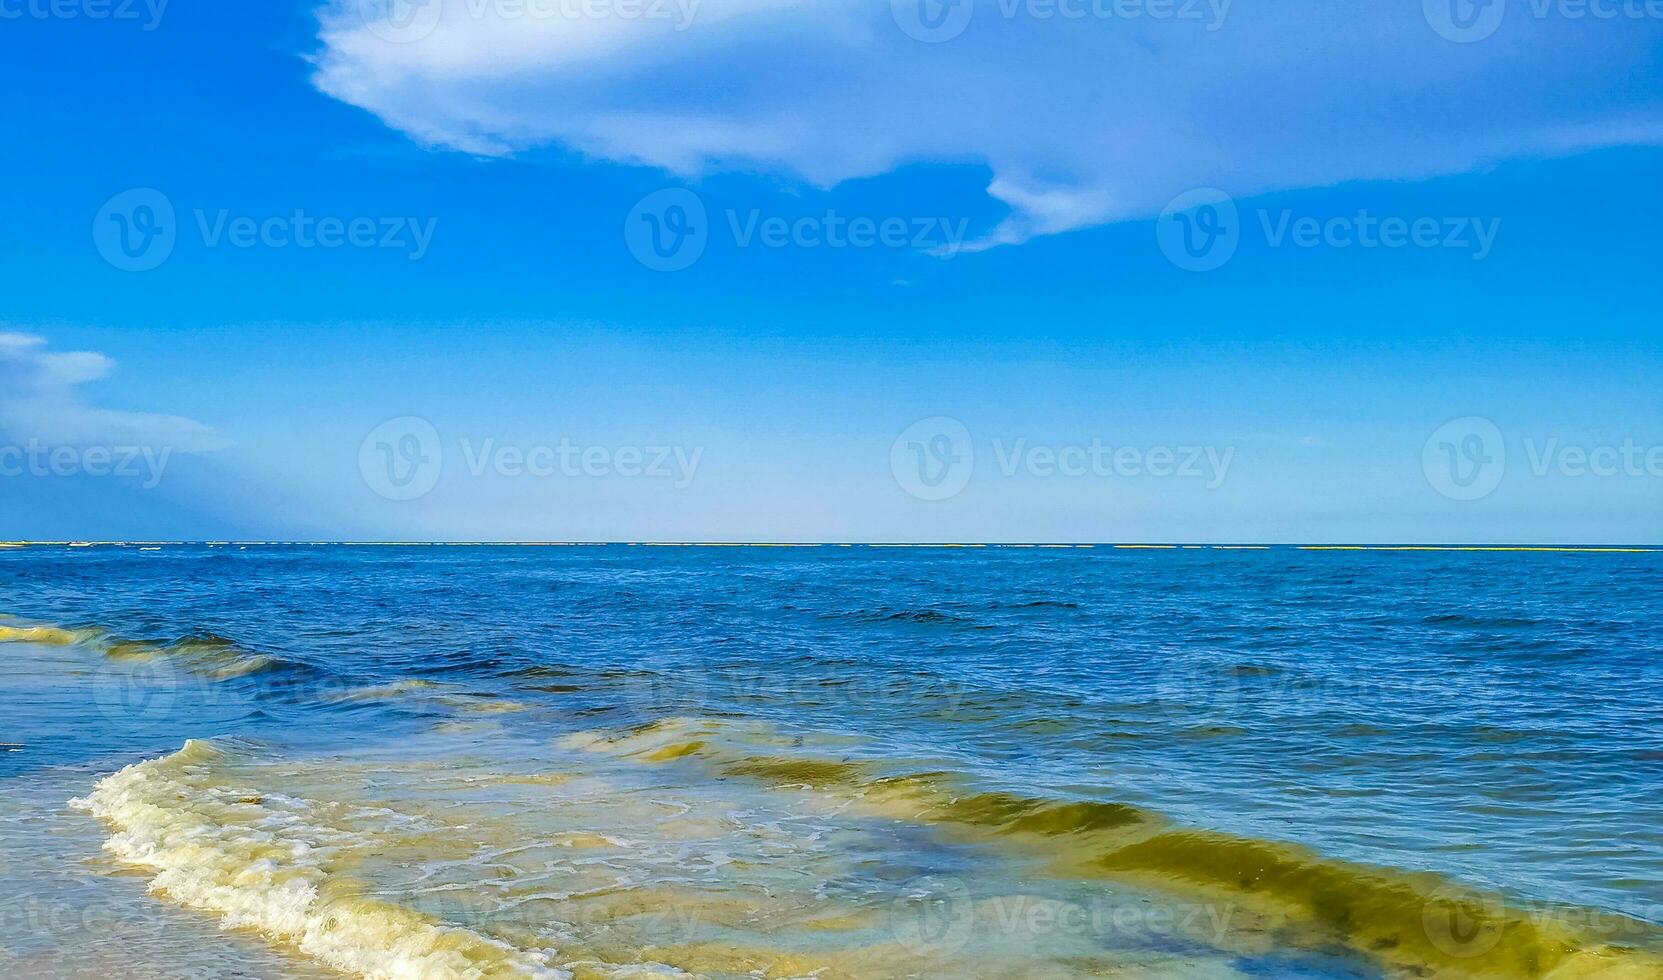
<point>1083,119</point>
<point>41,401</point>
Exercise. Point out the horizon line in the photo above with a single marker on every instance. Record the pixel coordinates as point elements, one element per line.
<point>1060,545</point>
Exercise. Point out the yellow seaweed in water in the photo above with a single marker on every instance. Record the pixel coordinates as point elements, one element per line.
<point>48,635</point>
<point>1421,922</point>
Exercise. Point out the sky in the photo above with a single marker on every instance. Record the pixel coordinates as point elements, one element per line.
<point>765,270</point>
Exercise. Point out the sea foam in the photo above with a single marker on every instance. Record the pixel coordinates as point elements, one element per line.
<point>262,862</point>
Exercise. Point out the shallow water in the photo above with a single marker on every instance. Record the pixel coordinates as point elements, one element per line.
<point>831,762</point>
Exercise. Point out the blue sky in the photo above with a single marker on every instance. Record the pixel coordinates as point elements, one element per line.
<point>974,378</point>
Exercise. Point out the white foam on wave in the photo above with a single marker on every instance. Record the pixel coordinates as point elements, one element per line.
<point>262,862</point>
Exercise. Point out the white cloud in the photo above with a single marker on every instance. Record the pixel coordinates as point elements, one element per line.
<point>1082,120</point>
<point>1043,211</point>
<point>39,402</point>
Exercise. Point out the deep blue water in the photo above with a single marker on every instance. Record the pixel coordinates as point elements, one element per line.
<point>1493,717</point>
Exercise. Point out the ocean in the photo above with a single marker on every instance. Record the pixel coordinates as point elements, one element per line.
<point>832,761</point>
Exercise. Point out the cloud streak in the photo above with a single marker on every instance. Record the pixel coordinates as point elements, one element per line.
<point>1083,119</point>
<point>40,402</point>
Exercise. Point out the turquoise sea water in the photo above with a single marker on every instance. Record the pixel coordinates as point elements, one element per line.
<point>830,762</point>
